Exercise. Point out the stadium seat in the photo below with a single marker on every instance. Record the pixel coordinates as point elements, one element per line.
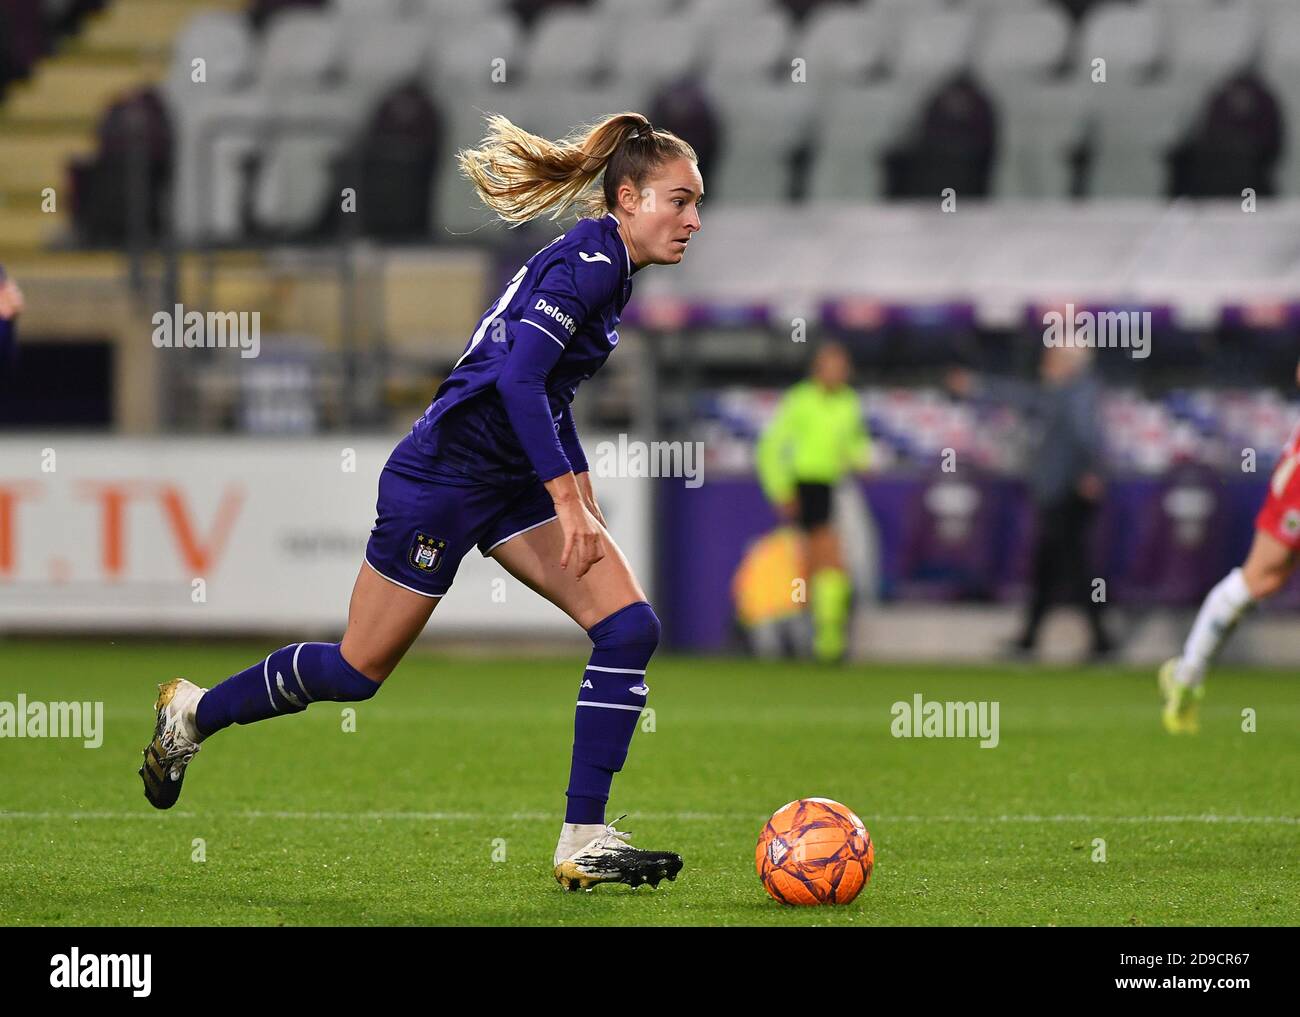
<point>1280,63</point>
<point>843,45</point>
<point>464,53</point>
<point>1014,41</point>
<point>567,47</point>
<point>205,183</point>
<point>1133,129</point>
<point>225,44</point>
<point>1041,127</point>
<point>300,61</point>
<point>651,66</point>
<point>990,6</point>
<point>1128,38</point>
<point>301,50</point>
<point>1208,44</point>
<point>766,126</point>
<point>457,10</point>
<point>932,45</point>
<point>751,49</point>
<point>854,127</point>
<point>379,55</point>
<point>637,9</point>
<point>371,10</point>
<point>704,11</point>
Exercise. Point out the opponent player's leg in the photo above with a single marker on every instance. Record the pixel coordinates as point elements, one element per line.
<point>610,605</point>
<point>1267,568</point>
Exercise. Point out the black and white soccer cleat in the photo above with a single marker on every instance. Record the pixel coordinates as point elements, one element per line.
<point>175,741</point>
<point>609,858</point>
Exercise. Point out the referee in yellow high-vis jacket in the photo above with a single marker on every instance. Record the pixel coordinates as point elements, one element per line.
<point>816,437</point>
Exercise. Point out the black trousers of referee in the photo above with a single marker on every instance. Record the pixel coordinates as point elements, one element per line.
<point>1061,564</point>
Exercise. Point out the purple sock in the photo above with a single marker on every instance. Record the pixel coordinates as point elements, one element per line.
<point>288,680</point>
<point>610,701</point>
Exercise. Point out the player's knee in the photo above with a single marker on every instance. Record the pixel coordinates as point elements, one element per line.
<point>350,683</point>
<point>635,625</point>
<point>374,666</point>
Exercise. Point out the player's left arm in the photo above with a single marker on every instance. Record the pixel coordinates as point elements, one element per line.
<point>568,433</point>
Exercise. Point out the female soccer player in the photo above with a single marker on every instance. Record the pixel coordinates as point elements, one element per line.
<point>1269,564</point>
<point>495,462</point>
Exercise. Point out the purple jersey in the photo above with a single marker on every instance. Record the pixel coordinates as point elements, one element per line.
<point>502,415</point>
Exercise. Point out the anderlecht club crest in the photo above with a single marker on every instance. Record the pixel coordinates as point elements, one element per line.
<point>426,552</point>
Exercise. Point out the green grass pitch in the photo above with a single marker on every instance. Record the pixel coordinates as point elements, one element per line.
<point>444,804</point>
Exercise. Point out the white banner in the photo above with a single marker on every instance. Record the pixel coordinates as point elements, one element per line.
<point>231,534</point>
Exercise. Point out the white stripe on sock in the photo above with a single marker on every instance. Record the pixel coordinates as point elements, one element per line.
<point>266,676</point>
<point>611,706</point>
<point>298,676</point>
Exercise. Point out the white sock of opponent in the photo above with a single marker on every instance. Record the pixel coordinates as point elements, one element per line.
<point>1219,614</point>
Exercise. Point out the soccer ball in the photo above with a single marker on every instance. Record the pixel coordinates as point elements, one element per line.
<point>814,851</point>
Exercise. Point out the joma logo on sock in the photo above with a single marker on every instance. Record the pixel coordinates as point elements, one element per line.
<point>75,970</point>
<point>53,720</point>
<point>935,719</point>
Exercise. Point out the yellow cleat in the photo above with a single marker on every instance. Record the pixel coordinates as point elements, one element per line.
<point>1182,702</point>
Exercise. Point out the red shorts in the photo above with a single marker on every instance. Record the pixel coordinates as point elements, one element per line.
<point>1280,515</point>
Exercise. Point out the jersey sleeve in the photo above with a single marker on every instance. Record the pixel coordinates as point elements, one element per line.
<point>568,434</point>
<point>572,288</point>
<point>569,290</point>
<point>522,388</point>
<point>771,456</point>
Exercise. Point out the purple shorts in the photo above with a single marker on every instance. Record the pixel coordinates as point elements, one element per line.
<point>423,528</point>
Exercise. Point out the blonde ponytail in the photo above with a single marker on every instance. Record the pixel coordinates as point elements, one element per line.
<point>521,175</point>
